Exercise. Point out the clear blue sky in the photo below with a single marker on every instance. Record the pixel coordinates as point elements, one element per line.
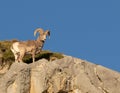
<point>86,29</point>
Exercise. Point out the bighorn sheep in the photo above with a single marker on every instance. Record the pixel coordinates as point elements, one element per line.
<point>19,49</point>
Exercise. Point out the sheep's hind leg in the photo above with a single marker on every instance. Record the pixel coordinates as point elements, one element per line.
<point>22,53</point>
<point>16,55</point>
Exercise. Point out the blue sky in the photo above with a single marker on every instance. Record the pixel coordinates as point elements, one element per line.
<point>86,29</point>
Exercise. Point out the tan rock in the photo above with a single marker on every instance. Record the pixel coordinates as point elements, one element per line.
<point>67,75</point>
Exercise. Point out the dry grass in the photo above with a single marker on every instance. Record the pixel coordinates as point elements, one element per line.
<point>7,56</point>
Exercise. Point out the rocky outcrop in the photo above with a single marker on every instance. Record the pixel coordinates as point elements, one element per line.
<point>16,80</point>
<point>67,75</point>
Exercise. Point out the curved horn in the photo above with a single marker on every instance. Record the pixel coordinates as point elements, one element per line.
<point>47,32</point>
<point>40,30</point>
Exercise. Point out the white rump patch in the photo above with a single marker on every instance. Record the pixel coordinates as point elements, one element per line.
<point>15,47</point>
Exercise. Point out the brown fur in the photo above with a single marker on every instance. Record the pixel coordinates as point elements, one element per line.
<point>19,49</point>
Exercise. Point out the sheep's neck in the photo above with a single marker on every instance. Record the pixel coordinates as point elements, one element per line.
<point>40,43</point>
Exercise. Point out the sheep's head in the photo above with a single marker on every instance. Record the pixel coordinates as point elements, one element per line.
<point>42,35</point>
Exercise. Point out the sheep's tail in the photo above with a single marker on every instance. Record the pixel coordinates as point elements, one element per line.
<point>12,49</point>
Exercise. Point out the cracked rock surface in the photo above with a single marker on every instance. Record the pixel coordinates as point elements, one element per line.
<point>67,75</point>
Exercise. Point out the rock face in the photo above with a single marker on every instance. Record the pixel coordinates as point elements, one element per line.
<point>67,75</point>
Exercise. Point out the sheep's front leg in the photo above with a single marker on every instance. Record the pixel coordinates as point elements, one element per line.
<point>33,57</point>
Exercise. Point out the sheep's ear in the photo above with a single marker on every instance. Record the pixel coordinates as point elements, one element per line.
<point>48,33</point>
